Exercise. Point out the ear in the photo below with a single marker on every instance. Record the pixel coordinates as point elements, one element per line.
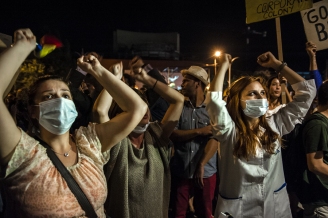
<point>197,83</point>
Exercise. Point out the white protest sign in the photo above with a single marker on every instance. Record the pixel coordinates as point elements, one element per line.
<point>315,22</point>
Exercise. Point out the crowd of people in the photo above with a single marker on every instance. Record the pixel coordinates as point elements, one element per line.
<point>92,145</point>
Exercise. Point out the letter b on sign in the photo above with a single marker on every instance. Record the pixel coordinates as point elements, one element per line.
<point>315,22</point>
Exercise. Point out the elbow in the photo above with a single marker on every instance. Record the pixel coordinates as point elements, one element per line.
<point>99,112</point>
<point>142,109</point>
<point>314,169</point>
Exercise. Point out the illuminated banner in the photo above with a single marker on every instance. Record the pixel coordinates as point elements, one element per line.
<point>315,22</point>
<point>258,10</point>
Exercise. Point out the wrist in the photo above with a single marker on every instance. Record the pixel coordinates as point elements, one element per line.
<point>281,66</point>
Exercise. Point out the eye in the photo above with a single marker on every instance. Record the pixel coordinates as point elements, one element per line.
<point>66,96</point>
<point>263,93</point>
<point>47,97</point>
<point>251,93</point>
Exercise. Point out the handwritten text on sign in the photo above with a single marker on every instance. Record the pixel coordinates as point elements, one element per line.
<point>258,10</point>
<point>315,22</point>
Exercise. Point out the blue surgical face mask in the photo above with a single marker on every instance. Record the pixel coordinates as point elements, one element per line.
<point>57,115</point>
<point>140,129</point>
<point>256,107</point>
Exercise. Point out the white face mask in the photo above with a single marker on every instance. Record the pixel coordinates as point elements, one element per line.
<point>256,107</point>
<point>140,129</point>
<point>57,115</point>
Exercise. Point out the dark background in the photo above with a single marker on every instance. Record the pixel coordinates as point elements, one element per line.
<point>204,26</point>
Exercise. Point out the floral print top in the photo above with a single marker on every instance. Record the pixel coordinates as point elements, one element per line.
<point>35,188</point>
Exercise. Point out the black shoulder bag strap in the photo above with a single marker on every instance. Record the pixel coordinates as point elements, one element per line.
<point>75,188</point>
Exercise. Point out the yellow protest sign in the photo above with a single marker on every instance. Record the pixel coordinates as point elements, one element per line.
<point>258,10</point>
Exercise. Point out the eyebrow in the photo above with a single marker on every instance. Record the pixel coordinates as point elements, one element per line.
<point>255,91</point>
<point>50,90</point>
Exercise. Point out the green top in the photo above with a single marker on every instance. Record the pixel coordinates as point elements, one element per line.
<point>139,179</point>
<point>315,138</point>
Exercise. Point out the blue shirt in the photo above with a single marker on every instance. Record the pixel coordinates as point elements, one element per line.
<point>187,154</point>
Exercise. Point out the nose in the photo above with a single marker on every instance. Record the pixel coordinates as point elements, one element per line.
<point>260,96</point>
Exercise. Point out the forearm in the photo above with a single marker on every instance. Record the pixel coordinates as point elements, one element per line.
<point>11,84</point>
<point>101,107</point>
<point>125,97</point>
<point>316,164</point>
<point>320,170</point>
<point>217,82</point>
<point>291,76</point>
<point>210,149</point>
<point>313,64</point>
<point>166,92</point>
<point>10,62</point>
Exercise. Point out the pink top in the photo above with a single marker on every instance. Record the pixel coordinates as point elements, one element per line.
<point>38,189</point>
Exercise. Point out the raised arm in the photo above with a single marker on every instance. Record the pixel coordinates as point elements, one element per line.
<point>311,50</point>
<point>216,84</point>
<point>134,108</point>
<point>10,61</point>
<point>269,60</point>
<point>173,97</point>
<point>104,101</point>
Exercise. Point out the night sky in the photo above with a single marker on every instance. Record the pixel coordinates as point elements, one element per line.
<point>204,26</point>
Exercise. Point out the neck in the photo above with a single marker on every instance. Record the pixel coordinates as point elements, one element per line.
<point>197,99</point>
<point>59,143</point>
<point>274,103</point>
<point>252,122</point>
<point>323,109</point>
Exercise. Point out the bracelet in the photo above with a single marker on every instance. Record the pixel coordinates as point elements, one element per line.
<point>154,84</point>
<point>283,64</point>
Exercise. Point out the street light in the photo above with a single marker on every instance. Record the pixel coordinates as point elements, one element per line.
<point>216,54</point>
<point>232,60</point>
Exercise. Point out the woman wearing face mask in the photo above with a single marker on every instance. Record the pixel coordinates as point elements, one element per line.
<point>252,180</point>
<point>31,181</point>
<point>141,160</point>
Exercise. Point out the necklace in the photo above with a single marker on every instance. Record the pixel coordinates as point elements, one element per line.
<point>66,154</point>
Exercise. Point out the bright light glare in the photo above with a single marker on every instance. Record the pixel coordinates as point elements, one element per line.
<point>217,53</point>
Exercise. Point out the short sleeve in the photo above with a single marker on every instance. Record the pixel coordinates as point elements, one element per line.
<point>89,144</point>
<point>315,136</point>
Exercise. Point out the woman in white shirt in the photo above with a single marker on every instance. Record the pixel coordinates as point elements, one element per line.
<point>250,165</point>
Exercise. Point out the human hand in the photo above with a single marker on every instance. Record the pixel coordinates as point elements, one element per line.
<point>224,60</point>
<point>198,176</point>
<point>136,69</point>
<point>311,49</point>
<point>207,130</point>
<point>267,59</point>
<point>117,69</point>
<point>25,37</point>
<point>282,79</point>
<point>89,64</point>
<point>135,64</point>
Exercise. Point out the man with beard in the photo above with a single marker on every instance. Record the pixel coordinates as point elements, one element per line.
<point>193,164</point>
